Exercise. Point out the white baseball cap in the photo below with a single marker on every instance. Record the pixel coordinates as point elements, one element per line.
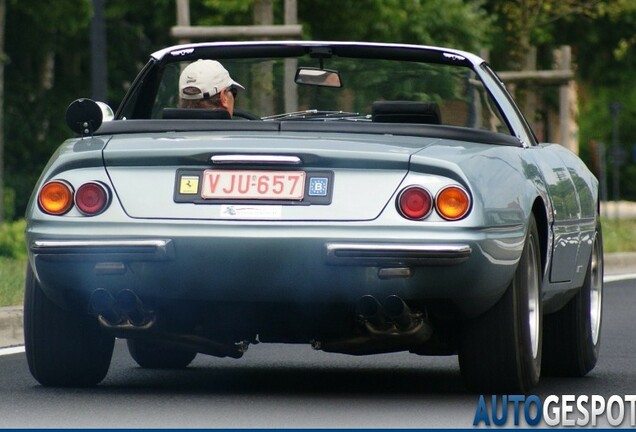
<point>203,79</point>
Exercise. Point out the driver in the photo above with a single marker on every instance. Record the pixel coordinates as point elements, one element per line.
<point>207,84</point>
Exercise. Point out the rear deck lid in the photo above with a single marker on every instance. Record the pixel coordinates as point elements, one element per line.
<point>226,175</point>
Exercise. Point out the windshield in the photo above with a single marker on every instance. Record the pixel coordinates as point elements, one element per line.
<point>368,90</point>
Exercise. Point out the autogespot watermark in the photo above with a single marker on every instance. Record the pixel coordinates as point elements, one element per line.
<point>555,411</point>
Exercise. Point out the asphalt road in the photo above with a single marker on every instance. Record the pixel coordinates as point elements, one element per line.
<point>280,386</point>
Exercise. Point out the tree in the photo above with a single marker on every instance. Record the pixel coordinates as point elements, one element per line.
<point>524,24</point>
<point>453,23</point>
<point>604,46</point>
<point>48,66</point>
<point>2,59</point>
<point>48,58</point>
<point>40,38</point>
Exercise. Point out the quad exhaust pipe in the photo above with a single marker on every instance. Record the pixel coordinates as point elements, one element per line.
<point>127,316</point>
<point>393,311</point>
<point>399,313</point>
<point>389,326</point>
<point>123,311</point>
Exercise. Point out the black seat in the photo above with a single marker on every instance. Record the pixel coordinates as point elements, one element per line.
<point>406,112</point>
<point>195,113</point>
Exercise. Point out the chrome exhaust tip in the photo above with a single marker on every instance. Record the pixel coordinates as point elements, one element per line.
<point>102,304</point>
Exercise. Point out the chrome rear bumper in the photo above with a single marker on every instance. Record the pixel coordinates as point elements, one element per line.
<point>387,254</point>
<point>146,250</point>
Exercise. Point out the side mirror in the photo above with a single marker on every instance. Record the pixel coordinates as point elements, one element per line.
<point>318,77</point>
<point>84,116</point>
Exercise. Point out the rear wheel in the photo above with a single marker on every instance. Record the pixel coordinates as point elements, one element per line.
<point>500,350</point>
<point>155,355</point>
<point>63,348</point>
<point>573,334</point>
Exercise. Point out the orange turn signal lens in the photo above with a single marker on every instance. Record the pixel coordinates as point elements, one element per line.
<point>453,203</point>
<point>56,197</point>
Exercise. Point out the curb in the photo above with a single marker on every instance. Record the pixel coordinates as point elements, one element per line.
<point>12,333</point>
<point>620,263</point>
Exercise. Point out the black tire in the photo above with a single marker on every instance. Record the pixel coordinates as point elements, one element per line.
<point>572,335</point>
<point>63,348</point>
<point>155,355</point>
<point>500,350</point>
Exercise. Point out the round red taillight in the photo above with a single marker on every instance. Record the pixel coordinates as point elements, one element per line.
<point>56,197</point>
<point>415,202</point>
<point>92,198</point>
<point>452,203</point>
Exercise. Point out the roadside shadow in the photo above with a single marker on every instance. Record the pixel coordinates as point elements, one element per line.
<point>304,373</point>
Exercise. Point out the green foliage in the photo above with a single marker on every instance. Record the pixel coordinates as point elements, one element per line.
<point>604,42</point>
<point>452,23</point>
<point>48,49</point>
<point>43,70</point>
<point>226,12</point>
<point>522,24</point>
<point>11,281</point>
<point>9,204</point>
<point>134,30</point>
<point>42,15</point>
<point>12,243</point>
<point>596,123</point>
<point>607,67</point>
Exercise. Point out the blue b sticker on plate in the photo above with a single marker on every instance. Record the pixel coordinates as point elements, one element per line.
<point>318,186</point>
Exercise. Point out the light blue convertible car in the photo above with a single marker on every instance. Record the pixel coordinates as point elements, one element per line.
<point>364,198</point>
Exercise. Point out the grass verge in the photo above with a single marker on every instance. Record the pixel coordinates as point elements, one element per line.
<point>11,281</point>
<point>619,235</point>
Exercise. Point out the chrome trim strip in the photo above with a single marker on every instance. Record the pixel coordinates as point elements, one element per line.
<point>49,244</point>
<point>155,249</point>
<point>396,254</point>
<point>244,159</point>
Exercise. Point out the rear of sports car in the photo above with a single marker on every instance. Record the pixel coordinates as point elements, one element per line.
<point>356,233</point>
<point>210,241</point>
